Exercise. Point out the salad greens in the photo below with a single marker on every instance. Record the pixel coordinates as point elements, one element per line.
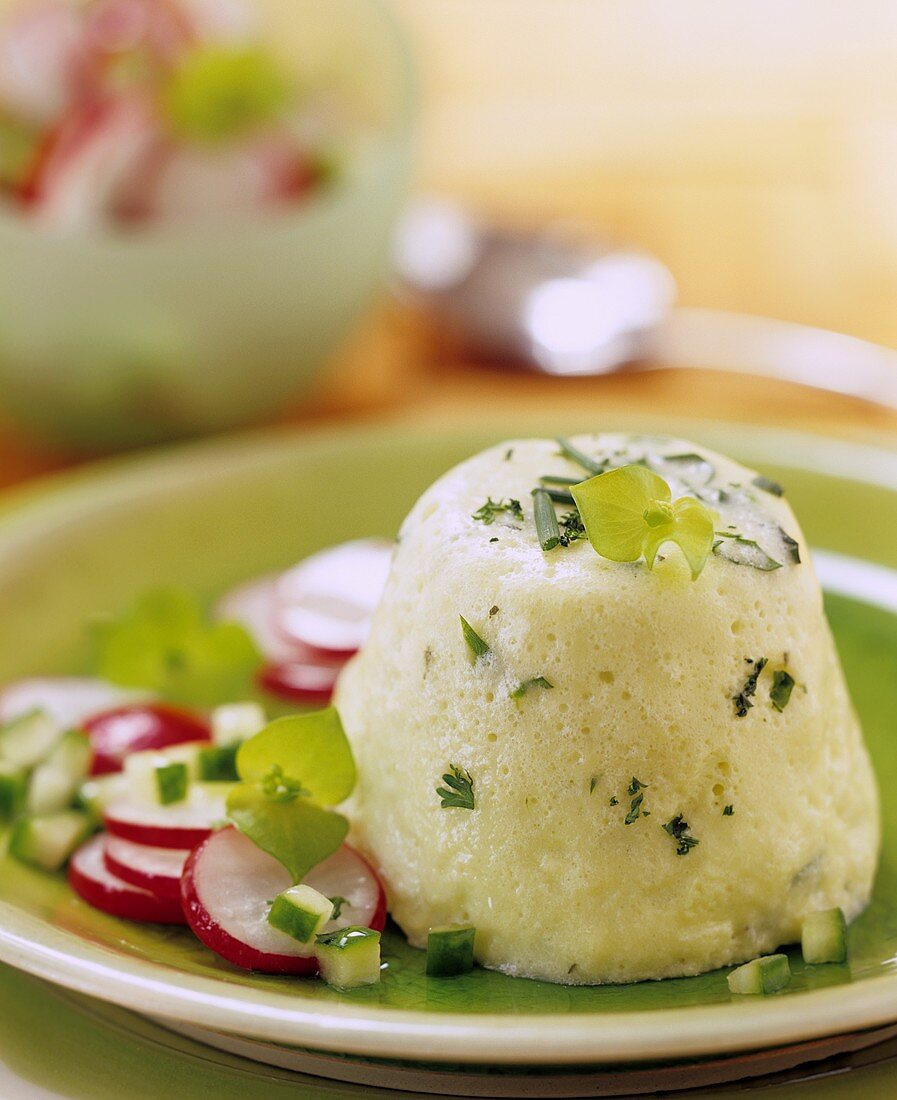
<point>165,644</point>
<point>291,772</point>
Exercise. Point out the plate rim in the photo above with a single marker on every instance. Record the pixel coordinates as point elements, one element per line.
<point>65,959</point>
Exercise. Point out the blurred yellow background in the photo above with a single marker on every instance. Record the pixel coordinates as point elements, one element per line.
<point>751,144</point>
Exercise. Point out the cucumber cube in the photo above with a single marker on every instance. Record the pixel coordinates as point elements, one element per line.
<point>172,781</point>
<point>54,784</point>
<point>141,768</point>
<point>28,740</point>
<point>450,950</point>
<point>12,790</point>
<point>94,795</point>
<point>823,937</point>
<point>48,841</point>
<point>350,957</point>
<point>217,764</point>
<point>766,975</point>
<point>236,722</point>
<point>301,912</point>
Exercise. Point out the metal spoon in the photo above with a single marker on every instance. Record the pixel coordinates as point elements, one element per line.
<point>546,301</point>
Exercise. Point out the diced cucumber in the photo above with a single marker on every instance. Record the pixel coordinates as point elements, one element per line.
<point>823,937</point>
<point>28,740</point>
<point>217,764</point>
<point>54,784</point>
<point>13,785</point>
<point>236,722</point>
<point>140,768</point>
<point>766,975</point>
<point>350,957</point>
<point>172,781</point>
<point>48,841</point>
<point>301,912</point>
<point>450,950</point>
<point>94,795</point>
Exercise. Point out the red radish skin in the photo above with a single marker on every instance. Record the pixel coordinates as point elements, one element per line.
<point>327,600</point>
<point>114,734</point>
<point>253,605</point>
<point>229,843</point>
<point>308,680</point>
<point>92,881</point>
<point>69,700</point>
<point>157,870</point>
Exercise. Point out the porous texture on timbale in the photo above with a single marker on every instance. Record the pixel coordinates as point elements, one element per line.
<point>645,667</point>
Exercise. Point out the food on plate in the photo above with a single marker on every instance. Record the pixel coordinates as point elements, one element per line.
<point>589,726</point>
<point>600,717</point>
<point>137,112</point>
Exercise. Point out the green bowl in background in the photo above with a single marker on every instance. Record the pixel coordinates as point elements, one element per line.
<point>114,339</point>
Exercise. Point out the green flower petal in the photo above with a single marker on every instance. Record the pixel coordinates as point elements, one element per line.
<point>613,506</point>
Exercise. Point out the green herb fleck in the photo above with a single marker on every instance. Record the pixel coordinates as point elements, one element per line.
<point>636,792</point>
<point>523,687</point>
<point>728,810</point>
<point>573,528</point>
<point>792,546</point>
<point>487,512</point>
<point>678,830</point>
<point>475,643</point>
<point>493,610</point>
<point>509,454</point>
<point>744,551</point>
<point>458,790</point>
<point>590,465</point>
<point>744,699</point>
<point>614,801</point>
<point>782,686</point>
<point>768,485</point>
<point>493,539</point>
<point>593,783</point>
<point>546,521</point>
<point>338,902</point>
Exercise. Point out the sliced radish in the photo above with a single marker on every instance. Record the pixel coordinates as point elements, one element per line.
<point>158,870</point>
<point>177,825</point>
<point>94,882</point>
<point>68,700</point>
<point>114,734</point>
<point>253,606</point>
<point>228,887</point>
<point>87,160</point>
<point>41,54</point>
<point>309,681</point>
<point>327,600</point>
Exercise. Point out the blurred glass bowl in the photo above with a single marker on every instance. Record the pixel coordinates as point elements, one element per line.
<point>115,339</point>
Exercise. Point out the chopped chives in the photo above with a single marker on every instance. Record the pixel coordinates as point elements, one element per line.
<point>590,465</point>
<point>559,496</point>
<point>523,687</point>
<point>546,520</point>
<point>552,479</point>
<point>475,643</point>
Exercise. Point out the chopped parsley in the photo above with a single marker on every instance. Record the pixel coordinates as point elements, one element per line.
<point>768,485</point>
<point>677,828</point>
<point>572,528</point>
<point>509,454</point>
<point>744,699</point>
<point>782,686</point>
<point>593,783</point>
<point>742,551</point>
<point>791,545</point>
<point>458,790</point>
<point>523,687</point>
<point>636,792</point>
<point>493,610</point>
<point>614,801</point>
<point>494,539</point>
<point>487,512</point>
<point>728,810</point>
<point>338,902</point>
<point>475,643</point>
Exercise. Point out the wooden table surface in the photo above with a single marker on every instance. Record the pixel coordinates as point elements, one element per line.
<point>393,368</point>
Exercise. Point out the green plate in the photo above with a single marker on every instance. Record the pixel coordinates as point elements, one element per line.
<point>210,515</point>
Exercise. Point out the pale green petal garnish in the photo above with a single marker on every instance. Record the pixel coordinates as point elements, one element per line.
<point>219,93</point>
<point>299,834</point>
<point>309,749</point>
<point>629,512</point>
<point>164,643</point>
<point>292,771</point>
